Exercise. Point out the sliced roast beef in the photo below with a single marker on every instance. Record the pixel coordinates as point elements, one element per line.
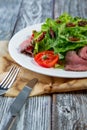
<point>83,53</point>
<point>74,62</point>
<point>75,67</point>
<point>26,47</point>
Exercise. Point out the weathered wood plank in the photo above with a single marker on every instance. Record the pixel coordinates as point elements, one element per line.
<point>9,10</point>
<point>38,110</point>
<point>75,8</point>
<point>33,12</point>
<point>69,110</point>
<point>36,113</point>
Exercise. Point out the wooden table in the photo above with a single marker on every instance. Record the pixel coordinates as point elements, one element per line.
<point>53,112</point>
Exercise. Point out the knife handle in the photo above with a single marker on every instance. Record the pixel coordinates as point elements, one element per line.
<point>8,123</point>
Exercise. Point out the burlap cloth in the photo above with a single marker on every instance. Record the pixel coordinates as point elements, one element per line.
<point>45,85</point>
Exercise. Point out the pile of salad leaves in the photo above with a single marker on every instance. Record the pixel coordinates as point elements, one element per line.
<point>61,42</point>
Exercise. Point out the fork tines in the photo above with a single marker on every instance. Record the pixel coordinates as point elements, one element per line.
<point>10,77</point>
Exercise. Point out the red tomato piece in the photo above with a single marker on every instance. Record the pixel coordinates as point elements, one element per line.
<point>46,59</point>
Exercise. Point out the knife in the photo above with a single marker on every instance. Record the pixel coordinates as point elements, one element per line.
<point>18,104</point>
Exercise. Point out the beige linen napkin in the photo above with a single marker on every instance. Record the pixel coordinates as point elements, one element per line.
<point>45,85</point>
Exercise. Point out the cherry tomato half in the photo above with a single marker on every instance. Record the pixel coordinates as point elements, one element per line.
<point>46,59</point>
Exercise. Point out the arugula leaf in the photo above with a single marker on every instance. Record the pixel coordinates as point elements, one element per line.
<point>66,37</point>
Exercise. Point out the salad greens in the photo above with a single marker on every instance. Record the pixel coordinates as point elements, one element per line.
<point>61,35</point>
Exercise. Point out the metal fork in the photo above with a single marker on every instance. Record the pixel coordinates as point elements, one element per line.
<point>9,79</point>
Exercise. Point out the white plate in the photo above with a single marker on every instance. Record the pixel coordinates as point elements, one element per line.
<point>29,63</point>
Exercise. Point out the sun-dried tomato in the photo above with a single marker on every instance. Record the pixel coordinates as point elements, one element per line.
<point>74,38</point>
<point>58,21</point>
<point>82,23</point>
<point>70,25</point>
<point>41,37</point>
<point>52,33</point>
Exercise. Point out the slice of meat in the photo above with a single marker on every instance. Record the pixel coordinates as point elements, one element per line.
<point>75,67</point>
<point>24,45</point>
<point>75,63</point>
<point>27,47</point>
<point>83,53</point>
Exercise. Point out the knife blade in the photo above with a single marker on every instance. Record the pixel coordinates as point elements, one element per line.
<point>18,103</point>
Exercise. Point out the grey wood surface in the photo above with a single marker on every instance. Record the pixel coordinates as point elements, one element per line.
<point>9,11</point>
<point>69,110</point>
<point>15,15</point>
<point>56,112</point>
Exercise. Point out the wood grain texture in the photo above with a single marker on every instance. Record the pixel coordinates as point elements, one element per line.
<point>36,113</point>
<point>69,109</point>
<point>33,12</point>
<point>38,110</point>
<point>69,113</point>
<point>9,10</point>
<point>75,7</point>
